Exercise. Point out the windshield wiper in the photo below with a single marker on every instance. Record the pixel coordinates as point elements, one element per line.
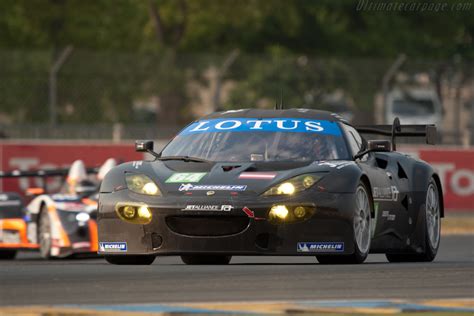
<point>183,158</point>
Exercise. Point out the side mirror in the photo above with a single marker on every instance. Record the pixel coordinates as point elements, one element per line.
<point>143,145</point>
<point>379,145</point>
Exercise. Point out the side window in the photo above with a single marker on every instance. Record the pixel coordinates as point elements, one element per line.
<point>355,141</point>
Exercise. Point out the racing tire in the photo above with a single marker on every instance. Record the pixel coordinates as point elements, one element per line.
<point>130,260</point>
<point>432,228</point>
<point>7,254</point>
<point>44,233</point>
<point>206,259</point>
<point>362,220</point>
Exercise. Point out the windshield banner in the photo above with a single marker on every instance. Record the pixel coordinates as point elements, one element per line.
<point>263,125</point>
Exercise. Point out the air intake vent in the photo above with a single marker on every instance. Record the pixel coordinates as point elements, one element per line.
<point>401,172</point>
<point>405,202</point>
<point>207,225</point>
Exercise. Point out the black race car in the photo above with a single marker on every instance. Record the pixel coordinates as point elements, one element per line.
<point>273,182</point>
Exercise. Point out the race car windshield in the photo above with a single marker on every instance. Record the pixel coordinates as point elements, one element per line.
<point>249,139</point>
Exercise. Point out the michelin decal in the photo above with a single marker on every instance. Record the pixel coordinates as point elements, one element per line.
<point>211,187</point>
<point>112,246</point>
<point>320,247</point>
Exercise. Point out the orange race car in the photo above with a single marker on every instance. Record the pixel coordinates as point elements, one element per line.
<point>58,225</point>
<point>13,227</point>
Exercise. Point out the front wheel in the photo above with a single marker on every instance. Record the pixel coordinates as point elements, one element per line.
<point>363,210</point>
<point>44,234</point>
<point>130,260</point>
<point>206,259</point>
<point>432,229</point>
<point>7,254</point>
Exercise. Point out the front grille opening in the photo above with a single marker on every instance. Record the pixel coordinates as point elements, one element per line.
<point>207,225</point>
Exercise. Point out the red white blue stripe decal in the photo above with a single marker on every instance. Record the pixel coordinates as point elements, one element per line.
<point>258,175</point>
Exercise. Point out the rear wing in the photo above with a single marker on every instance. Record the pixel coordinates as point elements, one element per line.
<point>398,130</point>
<point>41,173</point>
<point>63,173</point>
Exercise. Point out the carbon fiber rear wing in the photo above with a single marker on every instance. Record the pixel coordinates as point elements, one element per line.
<point>398,130</point>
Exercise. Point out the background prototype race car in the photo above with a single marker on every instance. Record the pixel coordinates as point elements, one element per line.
<point>273,182</point>
<point>58,225</point>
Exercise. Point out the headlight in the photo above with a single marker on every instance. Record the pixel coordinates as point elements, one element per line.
<point>294,185</point>
<point>82,217</point>
<point>140,183</point>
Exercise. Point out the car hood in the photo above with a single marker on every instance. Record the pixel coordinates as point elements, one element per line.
<point>225,178</point>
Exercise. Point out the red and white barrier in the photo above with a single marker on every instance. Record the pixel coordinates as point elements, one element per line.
<point>34,156</point>
<point>455,167</point>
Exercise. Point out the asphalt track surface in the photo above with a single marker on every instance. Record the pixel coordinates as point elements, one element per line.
<point>32,281</point>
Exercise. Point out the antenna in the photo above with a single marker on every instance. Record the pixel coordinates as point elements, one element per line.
<point>281,98</point>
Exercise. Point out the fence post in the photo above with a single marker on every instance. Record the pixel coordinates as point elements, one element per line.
<point>53,86</point>
<point>116,132</point>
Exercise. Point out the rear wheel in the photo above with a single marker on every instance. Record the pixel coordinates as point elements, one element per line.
<point>130,260</point>
<point>432,229</point>
<point>44,234</point>
<point>7,254</point>
<point>206,259</point>
<point>361,223</point>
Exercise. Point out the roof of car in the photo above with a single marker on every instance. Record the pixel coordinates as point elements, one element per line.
<point>262,113</point>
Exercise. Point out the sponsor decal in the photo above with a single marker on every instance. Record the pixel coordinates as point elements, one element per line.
<point>388,216</point>
<point>71,206</point>
<point>186,177</point>
<point>113,246</point>
<point>336,164</point>
<point>137,164</point>
<point>263,125</point>
<point>215,208</point>
<point>385,194</point>
<point>79,245</point>
<point>211,187</point>
<point>320,247</point>
<point>64,197</point>
<point>257,175</point>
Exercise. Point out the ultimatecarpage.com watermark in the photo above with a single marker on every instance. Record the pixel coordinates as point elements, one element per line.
<point>408,6</point>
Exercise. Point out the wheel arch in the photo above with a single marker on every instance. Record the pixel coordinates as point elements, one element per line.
<point>440,192</point>
<point>365,179</point>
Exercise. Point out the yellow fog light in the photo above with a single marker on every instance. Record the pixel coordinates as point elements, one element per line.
<point>129,212</point>
<point>299,212</point>
<point>135,213</point>
<point>144,212</point>
<point>279,211</point>
<point>286,188</point>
